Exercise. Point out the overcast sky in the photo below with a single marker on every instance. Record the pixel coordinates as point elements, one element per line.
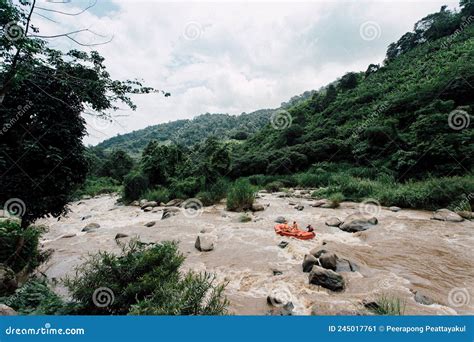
<point>229,57</point>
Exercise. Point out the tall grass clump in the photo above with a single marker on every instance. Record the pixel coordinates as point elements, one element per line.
<point>158,194</point>
<point>241,196</point>
<point>387,305</point>
<point>94,186</point>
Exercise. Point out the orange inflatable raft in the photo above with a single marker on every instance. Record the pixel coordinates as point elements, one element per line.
<point>286,230</point>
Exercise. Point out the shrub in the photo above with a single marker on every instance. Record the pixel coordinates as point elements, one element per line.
<point>35,298</point>
<point>336,199</point>
<point>159,194</point>
<point>215,194</point>
<point>135,185</point>
<point>97,185</point>
<point>241,196</point>
<point>144,279</point>
<point>274,186</point>
<point>19,247</point>
<point>244,218</point>
<point>185,188</point>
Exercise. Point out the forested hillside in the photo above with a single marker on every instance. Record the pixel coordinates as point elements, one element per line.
<point>190,132</point>
<point>408,118</point>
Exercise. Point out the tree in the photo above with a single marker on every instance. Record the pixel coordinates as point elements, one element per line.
<point>44,93</point>
<point>117,165</point>
<point>348,81</point>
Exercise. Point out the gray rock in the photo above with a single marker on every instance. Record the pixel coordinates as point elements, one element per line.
<point>277,272</point>
<point>204,243</point>
<point>285,310</point>
<point>280,219</point>
<point>156,210</point>
<point>299,207</point>
<point>395,209</point>
<point>86,217</point>
<point>91,227</point>
<point>8,281</point>
<point>308,262</point>
<point>147,209</point>
<point>319,203</point>
<point>148,204</point>
<point>168,212</point>
<point>86,197</point>
<point>422,299</point>
<point>175,202</point>
<point>446,215</point>
<point>344,265</point>
<point>333,222</point>
<point>7,311</point>
<point>120,236</point>
<point>328,260</point>
<point>358,222</point>
<point>468,215</point>
<point>257,207</point>
<point>292,203</point>
<point>327,279</point>
<point>142,201</point>
<point>150,224</point>
<point>67,236</point>
<point>317,252</point>
<point>283,244</point>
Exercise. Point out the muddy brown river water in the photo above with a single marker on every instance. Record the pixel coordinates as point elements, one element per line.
<point>405,252</point>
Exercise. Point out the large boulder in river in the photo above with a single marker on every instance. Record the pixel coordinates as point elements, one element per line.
<point>168,212</point>
<point>8,282</point>
<point>316,252</point>
<point>333,222</point>
<point>175,202</point>
<point>257,207</point>
<point>280,219</point>
<point>148,204</point>
<point>328,260</point>
<point>446,215</point>
<point>327,279</point>
<point>358,222</point>
<point>91,227</point>
<point>468,215</point>
<point>308,262</point>
<point>204,243</point>
<point>5,310</point>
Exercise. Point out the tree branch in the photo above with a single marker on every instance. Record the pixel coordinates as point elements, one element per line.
<point>70,14</point>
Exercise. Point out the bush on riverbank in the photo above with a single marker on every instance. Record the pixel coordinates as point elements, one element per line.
<point>19,247</point>
<point>94,186</point>
<point>143,279</point>
<point>240,196</point>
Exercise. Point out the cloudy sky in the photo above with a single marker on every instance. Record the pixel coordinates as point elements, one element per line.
<point>228,57</point>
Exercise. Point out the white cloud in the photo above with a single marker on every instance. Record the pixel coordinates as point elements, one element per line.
<point>237,56</point>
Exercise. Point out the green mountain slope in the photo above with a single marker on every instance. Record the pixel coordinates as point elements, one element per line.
<point>409,118</point>
<point>190,132</point>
